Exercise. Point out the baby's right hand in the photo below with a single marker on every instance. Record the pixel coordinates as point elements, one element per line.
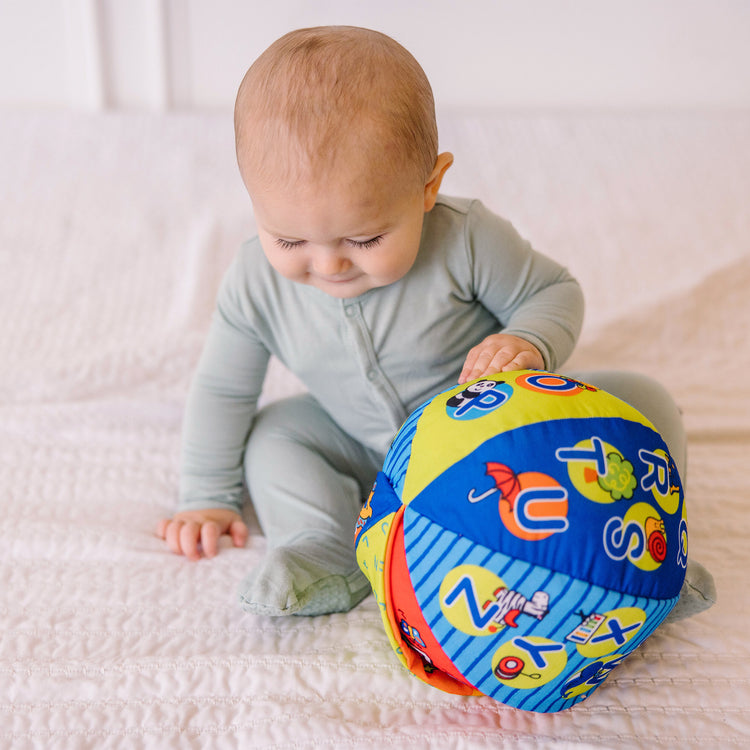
<point>195,532</point>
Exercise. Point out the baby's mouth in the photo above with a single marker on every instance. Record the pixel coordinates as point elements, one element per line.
<point>338,279</point>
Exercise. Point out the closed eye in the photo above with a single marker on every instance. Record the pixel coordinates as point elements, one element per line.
<point>288,244</point>
<point>363,244</point>
<point>367,244</point>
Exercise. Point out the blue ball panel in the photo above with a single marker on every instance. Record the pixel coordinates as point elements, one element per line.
<point>587,539</point>
<point>434,553</point>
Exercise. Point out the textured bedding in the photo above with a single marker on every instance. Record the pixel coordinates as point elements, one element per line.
<point>114,233</point>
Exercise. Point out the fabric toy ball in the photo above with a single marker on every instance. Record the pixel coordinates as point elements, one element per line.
<point>527,532</point>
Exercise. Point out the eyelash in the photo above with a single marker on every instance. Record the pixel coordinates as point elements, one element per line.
<point>287,245</point>
<point>366,245</point>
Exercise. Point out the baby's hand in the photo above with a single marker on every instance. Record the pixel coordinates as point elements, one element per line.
<point>194,531</point>
<point>500,352</point>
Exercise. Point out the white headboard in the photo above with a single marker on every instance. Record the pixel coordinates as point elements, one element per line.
<point>165,54</point>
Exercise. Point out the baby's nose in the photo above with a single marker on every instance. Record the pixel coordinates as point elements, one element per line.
<point>329,263</point>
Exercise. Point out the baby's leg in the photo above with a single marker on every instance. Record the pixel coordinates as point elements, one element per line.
<point>307,479</point>
<point>651,399</point>
<point>655,402</point>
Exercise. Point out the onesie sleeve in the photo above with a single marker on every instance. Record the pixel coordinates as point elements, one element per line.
<point>222,402</point>
<point>531,295</point>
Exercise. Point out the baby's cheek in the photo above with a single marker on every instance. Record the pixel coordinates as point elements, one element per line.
<point>289,268</point>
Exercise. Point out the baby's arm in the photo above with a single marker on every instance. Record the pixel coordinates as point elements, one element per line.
<point>538,304</point>
<point>195,532</point>
<point>218,416</point>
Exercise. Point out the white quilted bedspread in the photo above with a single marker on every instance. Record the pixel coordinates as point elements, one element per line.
<point>114,233</point>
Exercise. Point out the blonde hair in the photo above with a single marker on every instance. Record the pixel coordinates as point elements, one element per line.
<point>316,94</point>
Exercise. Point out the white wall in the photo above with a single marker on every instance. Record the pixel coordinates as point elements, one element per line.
<point>164,54</point>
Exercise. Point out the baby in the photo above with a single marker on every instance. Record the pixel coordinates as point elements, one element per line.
<point>375,290</point>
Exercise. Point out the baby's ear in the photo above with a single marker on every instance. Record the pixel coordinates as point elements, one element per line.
<point>432,187</point>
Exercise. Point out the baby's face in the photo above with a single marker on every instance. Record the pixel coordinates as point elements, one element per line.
<point>344,237</point>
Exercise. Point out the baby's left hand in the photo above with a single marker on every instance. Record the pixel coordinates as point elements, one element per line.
<point>500,352</point>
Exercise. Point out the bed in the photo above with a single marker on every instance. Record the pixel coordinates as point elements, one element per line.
<point>115,230</point>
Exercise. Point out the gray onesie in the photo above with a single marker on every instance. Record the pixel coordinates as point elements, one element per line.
<point>367,363</point>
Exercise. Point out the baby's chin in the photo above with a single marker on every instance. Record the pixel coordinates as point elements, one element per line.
<point>345,288</point>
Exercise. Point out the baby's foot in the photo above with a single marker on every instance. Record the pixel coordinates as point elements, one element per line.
<point>698,593</point>
<point>305,579</point>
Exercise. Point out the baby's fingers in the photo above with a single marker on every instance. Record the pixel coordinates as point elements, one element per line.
<point>181,537</point>
<point>161,528</point>
<point>238,532</point>
<point>524,360</point>
<point>209,534</point>
<point>475,364</point>
<point>190,534</point>
<point>488,362</point>
<point>171,534</point>
<point>500,361</point>
<point>468,367</point>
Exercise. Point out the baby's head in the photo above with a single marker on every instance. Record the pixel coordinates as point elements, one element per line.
<point>318,101</point>
<point>337,146</point>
